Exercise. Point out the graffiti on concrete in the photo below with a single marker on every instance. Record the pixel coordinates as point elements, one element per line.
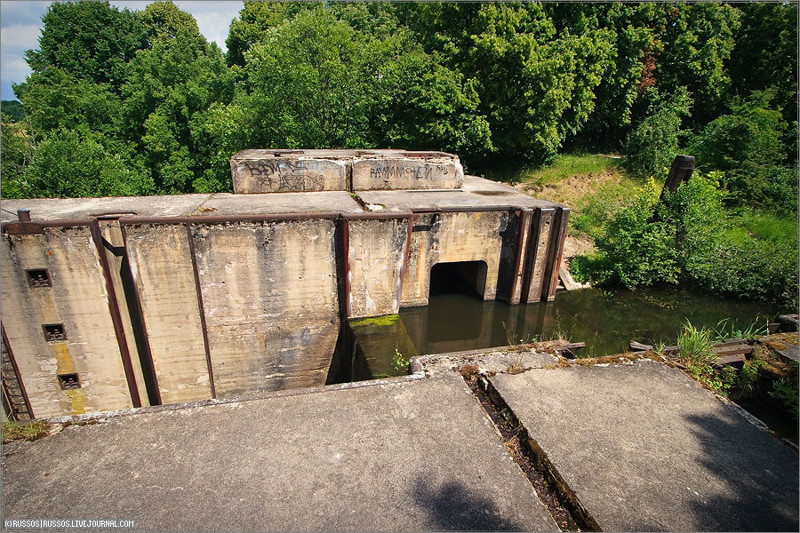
<point>393,171</point>
<point>287,176</point>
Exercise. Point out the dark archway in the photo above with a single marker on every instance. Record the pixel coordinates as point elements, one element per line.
<point>463,277</point>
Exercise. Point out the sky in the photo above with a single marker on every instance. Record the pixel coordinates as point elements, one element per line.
<point>21,23</point>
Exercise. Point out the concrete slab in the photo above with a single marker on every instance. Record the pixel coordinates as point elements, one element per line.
<point>408,455</point>
<point>72,208</point>
<point>475,193</point>
<point>645,448</point>
<point>290,202</point>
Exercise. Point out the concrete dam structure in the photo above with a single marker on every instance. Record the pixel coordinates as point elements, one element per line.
<point>115,303</point>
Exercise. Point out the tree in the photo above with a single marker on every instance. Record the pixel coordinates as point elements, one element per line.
<point>17,154</point>
<point>254,20</point>
<point>89,40</point>
<point>746,146</point>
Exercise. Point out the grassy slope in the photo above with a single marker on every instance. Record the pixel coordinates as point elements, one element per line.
<point>595,187</point>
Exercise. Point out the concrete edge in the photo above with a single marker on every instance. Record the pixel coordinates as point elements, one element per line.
<point>416,373</point>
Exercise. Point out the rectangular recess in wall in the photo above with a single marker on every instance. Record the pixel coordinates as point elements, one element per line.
<point>69,381</point>
<point>54,332</point>
<point>38,277</point>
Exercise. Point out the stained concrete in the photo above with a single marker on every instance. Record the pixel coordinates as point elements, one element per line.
<point>645,448</point>
<point>403,456</point>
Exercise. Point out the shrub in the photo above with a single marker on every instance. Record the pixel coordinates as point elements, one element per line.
<point>653,143</point>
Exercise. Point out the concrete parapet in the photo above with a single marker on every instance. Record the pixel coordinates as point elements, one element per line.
<point>267,171</point>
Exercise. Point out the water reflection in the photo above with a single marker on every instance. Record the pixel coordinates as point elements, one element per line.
<point>606,321</point>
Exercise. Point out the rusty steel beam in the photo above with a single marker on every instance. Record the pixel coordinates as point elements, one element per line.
<point>406,254</point>
<point>346,265</point>
<point>32,228</point>
<point>524,217</point>
<point>201,306</point>
<point>116,317</point>
<point>11,358</point>
<point>226,219</point>
<point>556,252</point>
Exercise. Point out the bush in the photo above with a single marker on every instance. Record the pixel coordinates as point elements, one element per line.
<point>653,143</point>
<point>747,147</point>
<point>690,238</point>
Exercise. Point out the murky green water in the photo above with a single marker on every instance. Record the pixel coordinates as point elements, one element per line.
<point>606,321</point>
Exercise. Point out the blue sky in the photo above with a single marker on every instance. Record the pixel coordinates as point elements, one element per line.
<point>21,23</point>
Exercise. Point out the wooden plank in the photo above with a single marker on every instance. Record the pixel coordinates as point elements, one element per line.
<point>729,359</point>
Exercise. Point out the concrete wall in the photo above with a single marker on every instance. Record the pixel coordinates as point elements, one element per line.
<point>223,306</point>
<point>78,299</point>
<point>375,257</point>
<point>161,265</point>
<point>452,237</point>
<point>271,306</point>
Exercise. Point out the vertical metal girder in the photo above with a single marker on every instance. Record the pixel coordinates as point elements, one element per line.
<point>517,282</point>
<point>555,253</point>
<point>406,253</point>
<point>17,374</point>
<point>201,308</point>
<point>116,317</point>
<point>536,254</point>
<point>345,225</point>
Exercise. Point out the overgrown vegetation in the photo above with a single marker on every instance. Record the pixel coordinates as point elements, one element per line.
<point>138,102</point>
<point>19,431</point>
<point>692,237</point>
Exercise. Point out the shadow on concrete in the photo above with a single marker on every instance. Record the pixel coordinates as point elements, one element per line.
<point>759,475</point>
<point>454,507</point>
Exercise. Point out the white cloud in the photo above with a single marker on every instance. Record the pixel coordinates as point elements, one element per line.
<point>21,23</point>
<point>22,13</point>
<point>19,38</point>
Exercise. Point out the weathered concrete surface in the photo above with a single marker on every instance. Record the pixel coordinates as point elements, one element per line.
<point>72,208</point>
<point>76,299</point>
<point>449,238</point>
<point>290,202</point>
<point>398,169</point>
<point>403,456</point>
<point>271,302</point>
<point>267,171</point>
<point>645,448</point>
<point>375,256</point>
<point>161,266</point>
<point>475,192</point>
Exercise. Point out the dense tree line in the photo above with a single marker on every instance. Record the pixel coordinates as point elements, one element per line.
<point>123,102</point>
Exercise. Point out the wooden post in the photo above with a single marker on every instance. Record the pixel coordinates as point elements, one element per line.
<point>680,171</point>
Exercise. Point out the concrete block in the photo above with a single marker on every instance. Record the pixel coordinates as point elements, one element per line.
<point>451,238</point>
<point>376,253</point>
<point>265,171</point>
<point>78,299</point>
<point>398,170</point>
<point>271,304</point>
<point>161,264</point>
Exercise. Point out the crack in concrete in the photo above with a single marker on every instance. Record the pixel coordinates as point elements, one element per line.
<point>557,497</point>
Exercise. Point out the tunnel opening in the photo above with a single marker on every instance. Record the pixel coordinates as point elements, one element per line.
<point>463,277</point>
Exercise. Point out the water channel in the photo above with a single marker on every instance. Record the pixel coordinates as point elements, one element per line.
<point>606,321</point>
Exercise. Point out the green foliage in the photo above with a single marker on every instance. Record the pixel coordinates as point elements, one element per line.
<point>70,163</point>
<point>89,40</point>
<point>399,362</point>
<point>653,144</point>
<point>690,237</point>
<point>746,145</point>
<point>497,83</point>
<point>18,152</point>
<point>12,110</point>
<point>786,392</point>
